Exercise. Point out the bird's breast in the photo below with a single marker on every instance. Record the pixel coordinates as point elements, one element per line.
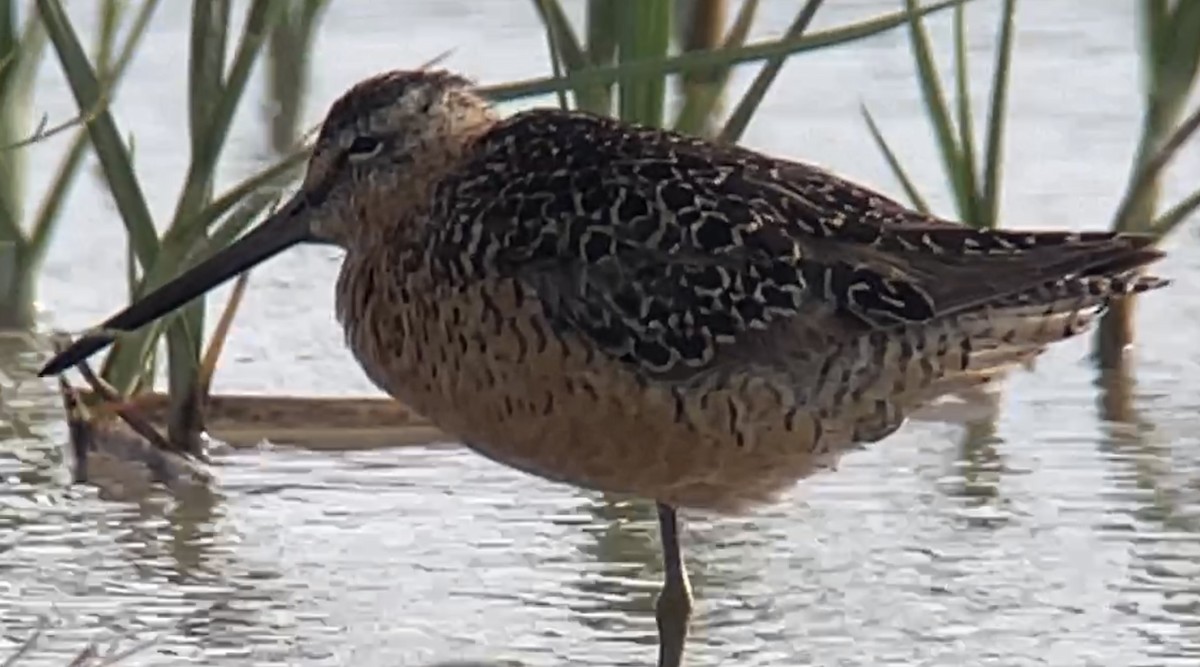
<point>485,365</point>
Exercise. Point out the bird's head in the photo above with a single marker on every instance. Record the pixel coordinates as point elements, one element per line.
<point>382,146</point>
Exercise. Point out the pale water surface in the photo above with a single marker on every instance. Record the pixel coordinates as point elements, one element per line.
<point>1052,538</point>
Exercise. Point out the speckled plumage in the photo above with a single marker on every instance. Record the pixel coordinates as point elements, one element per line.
<point>641,312</point>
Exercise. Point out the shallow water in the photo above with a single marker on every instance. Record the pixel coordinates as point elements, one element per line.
<point>1053,537</point>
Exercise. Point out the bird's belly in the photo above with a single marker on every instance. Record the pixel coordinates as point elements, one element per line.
<point>550,405</point>
<point>645,455</point>
<point>594,430</point>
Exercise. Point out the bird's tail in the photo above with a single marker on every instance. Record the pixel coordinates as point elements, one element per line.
<point>923,362</point>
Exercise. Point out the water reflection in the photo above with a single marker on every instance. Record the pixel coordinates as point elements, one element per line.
<point>158,566</point>
<point>295,558</point>
<point>1159,488</point>
<point>616,591</point>
<point>979,475</point>
<point>26,408</point>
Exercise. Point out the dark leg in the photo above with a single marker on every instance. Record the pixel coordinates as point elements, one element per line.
<point>674,607</point>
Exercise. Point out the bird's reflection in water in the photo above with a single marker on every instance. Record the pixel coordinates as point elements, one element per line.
<point>1155,483</point>
<point>621,574</point>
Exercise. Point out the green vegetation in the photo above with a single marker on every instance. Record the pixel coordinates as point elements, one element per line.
<point>976,195</point>
<point>204,220</point>
<point>23,243</point>
<point>623,67</point>
<point>1170,49</point>
<point>288,50</point>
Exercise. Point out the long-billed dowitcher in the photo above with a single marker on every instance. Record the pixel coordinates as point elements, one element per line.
<point>636,311</point>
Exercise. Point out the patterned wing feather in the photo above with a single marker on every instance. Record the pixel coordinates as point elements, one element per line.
<point>663,248</point>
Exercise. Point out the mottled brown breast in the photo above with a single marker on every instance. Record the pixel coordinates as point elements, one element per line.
<point>484,364</point>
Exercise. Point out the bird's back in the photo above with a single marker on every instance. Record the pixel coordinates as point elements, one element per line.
<point>643,312</point>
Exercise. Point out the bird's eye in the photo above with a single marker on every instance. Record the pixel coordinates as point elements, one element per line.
<point>363,147</point>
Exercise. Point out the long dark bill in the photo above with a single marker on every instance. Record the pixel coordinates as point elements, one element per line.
<point>286,228</point>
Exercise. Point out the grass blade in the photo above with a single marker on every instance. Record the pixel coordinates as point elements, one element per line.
<point>544,85</point>
<point>1152,168</point>
<point>910,189</point>
<point>232,226</point>
<point>111,12</point>
<point>565,51</point>
<point>1183,60</point>
<point>131,271</point>
<point>602,24</point>
<point>132,357</point>
<point>32,42</point>
<point>102,129</point>
<point>206,90</point>
<point>208,365</point>
<point>206,74</point>
<point>1155,20</point>
<point>55,196</point>
<point>739,120</point>
<point>21,51</point>
<point>700,101</point>
<point>273,176</point>
<point>645,35</point>
<point>936,107</point>
<point>997,115</point>
<point>565,48</point>
<point>1177,214</point>
<point>260,19</point>
<point>289,50</point>
<point>972,215</point>
<point>699,25</point>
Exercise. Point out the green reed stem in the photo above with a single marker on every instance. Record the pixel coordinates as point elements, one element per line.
<point>216,85</point>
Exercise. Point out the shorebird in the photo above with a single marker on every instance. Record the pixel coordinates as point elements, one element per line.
<point>636,311</point>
